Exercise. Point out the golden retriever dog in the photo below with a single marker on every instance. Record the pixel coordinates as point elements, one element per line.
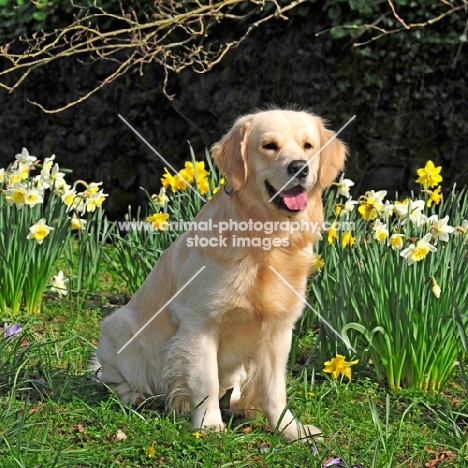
<point>218,310</point>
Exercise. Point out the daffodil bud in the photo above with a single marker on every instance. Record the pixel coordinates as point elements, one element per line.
<point>435,287</point>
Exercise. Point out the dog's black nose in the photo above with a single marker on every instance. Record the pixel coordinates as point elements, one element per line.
<point>298,166</point>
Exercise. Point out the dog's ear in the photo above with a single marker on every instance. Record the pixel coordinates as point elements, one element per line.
<point>230,155</point>
<point>332,158</point>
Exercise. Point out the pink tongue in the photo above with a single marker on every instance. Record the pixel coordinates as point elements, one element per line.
<point>296,201</point>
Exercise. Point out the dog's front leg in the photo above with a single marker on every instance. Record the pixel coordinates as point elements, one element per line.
<point>192,370</point>
<point>273,382</point>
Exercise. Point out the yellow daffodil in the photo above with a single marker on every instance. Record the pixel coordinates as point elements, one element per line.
<point>318,262</point>
<point>158,220</point>
<point>197,434</point>
<point>221,182</point>
<point>371,203</point>
<point>203,185</point>
<point>191,172</point>
<point>332,235</point>
<point>429,175</point>
<point>168,180</point>
<point>396,241</point>
<point>416,253</point>
<point>338,365</point>
<point>347,239</point>
<point>39,231</point>
<point>435,196</point>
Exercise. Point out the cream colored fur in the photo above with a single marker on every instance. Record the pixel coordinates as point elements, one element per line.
<point>232,326</point>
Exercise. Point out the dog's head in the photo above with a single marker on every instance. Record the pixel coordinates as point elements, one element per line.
<point>281,155</point>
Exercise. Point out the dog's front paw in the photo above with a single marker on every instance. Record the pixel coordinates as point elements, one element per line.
<point>213,423</point>
<point>310,431</point>
<point>296,431</point>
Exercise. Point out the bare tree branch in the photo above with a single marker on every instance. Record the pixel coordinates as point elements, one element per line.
<point>175,37</point>
<point>381,31</point>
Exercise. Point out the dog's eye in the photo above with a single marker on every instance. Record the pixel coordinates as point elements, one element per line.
<point>270,146</point>
<point>308,145</point>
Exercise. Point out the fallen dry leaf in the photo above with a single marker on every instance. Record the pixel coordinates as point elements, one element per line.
<point>81,429</point>
<point>440,456</point>
<point>121,435</point>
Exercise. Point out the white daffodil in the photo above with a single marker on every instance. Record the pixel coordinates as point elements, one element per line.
<point>161,200</point>
<point>69,196</point>
<point>462,230</point>
<point>92,188</point>
<point>78,224</point>
<point>396,241</point>
<point>386,210</point>
<point>55,178</point>
<point>441,230</point>
<point>47,166</point>
<point>343,186</point>
<point>434,219</point>
<point>24,158</point>
<point>2,176</point>
<point>380,230</point>
<point>95,200</point>
<point>416,253</point>
<point>348,207</point>
<point>33,197</point>
<point>18,175</point>
<point>59,284</point>
<point>16,195</point>
<point>39,231</point>
<point>412,211</point>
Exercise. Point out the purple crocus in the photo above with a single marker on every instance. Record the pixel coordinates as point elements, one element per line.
<point>335,462</point>
<point>338,463</point>
<point>11,330</point>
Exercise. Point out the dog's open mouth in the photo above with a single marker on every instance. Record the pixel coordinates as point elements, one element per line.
<point>292,200</point>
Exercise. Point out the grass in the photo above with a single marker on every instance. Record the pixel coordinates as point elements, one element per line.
<point>53,414</point>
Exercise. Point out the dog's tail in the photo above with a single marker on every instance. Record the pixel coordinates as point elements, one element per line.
<point>95,367</point>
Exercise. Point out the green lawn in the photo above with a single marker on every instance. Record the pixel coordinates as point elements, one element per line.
<point>53,414</point>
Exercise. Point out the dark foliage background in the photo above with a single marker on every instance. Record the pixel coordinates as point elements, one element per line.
<point>408,91</point>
